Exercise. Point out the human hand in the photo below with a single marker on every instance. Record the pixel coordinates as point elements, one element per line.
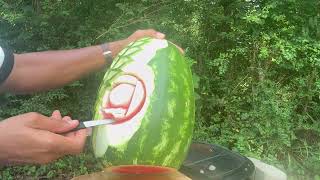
<point>117,46</point>
<point>32,138</point>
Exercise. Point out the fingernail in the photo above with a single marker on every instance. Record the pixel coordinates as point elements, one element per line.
<point>160,35</point>
<point>56,113</point>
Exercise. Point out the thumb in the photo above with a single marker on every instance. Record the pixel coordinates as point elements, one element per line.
<point>39,121</point>
<point>179,48</point>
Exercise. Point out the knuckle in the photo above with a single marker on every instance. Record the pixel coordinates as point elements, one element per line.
<point>50,143</point>
<point>34,115</point>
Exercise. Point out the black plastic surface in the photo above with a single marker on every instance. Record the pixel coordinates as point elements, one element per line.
<point>210,161</point>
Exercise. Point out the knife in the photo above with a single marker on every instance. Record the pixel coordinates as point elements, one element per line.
<point>93,123</point>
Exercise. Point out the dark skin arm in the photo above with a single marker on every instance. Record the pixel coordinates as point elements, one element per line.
<point>39,71</point>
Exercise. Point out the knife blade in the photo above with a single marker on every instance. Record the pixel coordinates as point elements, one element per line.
<point>93,123</point>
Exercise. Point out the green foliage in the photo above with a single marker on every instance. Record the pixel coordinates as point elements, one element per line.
<point>65,168</point>
<point>255,63</point>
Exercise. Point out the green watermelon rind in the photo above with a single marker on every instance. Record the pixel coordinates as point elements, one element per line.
<point>137,150</point>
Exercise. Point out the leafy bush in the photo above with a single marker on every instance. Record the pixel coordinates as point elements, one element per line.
<point>255,63</point>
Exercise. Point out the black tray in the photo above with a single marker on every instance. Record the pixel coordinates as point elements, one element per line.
<point>210,161</point>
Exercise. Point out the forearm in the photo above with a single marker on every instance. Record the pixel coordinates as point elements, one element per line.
<point>41,71</point>
<point>51,69</point>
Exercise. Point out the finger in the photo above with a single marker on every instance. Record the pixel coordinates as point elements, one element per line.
<point>180,49</point>
<point>67,118</point>
<point>160,35</point>
<point>72,143</point>
<point>147,33</point>
<point>39,121</point>
<point>79,139</point>
<point>74,133</point>
<point>69,134</point>
<point>153,33</point>
<point>56,114</point>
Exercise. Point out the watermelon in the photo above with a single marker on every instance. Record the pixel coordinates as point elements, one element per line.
<point>149,91</point>
<point>141,172</point>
